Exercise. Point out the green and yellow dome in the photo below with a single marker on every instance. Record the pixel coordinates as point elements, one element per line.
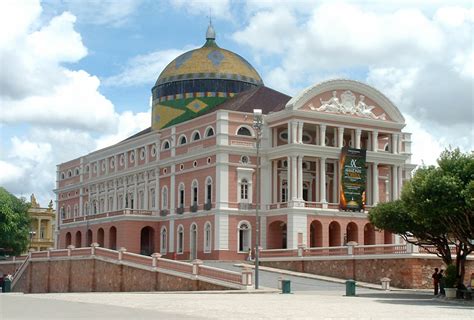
<point>199,80</point>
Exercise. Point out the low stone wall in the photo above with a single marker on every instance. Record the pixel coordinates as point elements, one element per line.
<point>410,272</point>
<point>96,275</point>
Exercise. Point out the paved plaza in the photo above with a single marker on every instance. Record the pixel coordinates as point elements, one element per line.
<point>312,299</point>
<point>301,305</point>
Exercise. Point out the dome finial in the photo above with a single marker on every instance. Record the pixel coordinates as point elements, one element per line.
<point>210,33</point>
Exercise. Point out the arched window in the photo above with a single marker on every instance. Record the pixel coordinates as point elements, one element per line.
<point>76,172</point>
<point>196,136</point>
<point>181,195</point>
<point>180,240</point>
<point>76,210</point>
<point>182,140</point>
<point>94,209</point>
<point>244,236</point>
<point>153,198</point>
<point>209,132</point>
<point>164,240</point>
<point>69,174</point>
<point>244,190</point>
<point>194,192</point>
<point>208,190</point>
<point>68,212</point>
<point>244,131</point>
<point>193,241</point>
<point>164,198</point>
<point>207,237</point>
<point>165,145</point>
<point>62,175</point>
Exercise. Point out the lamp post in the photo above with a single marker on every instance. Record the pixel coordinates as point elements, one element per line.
<point>257,125</point>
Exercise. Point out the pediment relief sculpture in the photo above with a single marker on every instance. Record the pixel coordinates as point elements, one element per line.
<point>348,105</point>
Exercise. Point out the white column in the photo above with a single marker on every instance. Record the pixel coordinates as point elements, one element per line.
<point>114,204</point>
<point>300,132</point>
<point>222,179</point>
<point>135,191</point>
<point>300,177</point>
<point>145,193</point>
<point>290,134</point>
<point>375,141</point>
<point>275,181</point>
<point>293,178</point>
<point>322,135</point>
<point>375,183</point>
<point>358,133</point>
<point>394,143</point>
<point>394,182</point>
<point>116,163</point>
<point>294,132</point>
<point>125,157</point>
<point>81,202</point>
<point>400,180</point>
<point>137,156</point>
<point>322,179</point>
<point>335,184</point>
<point>316,138</point>
<point>387,190</point>
<point>340,137</point>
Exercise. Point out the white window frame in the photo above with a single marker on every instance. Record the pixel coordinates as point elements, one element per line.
<point>206,192</point>
<point>252,133</point>
<point>195,183</point>
<point>207,240</point>
<point>181,198</point>
<point>163,244</point>
<point>193,135</point>
<point>164,143</point>
<point>180,138</point>
<point>180,231</point>
<point>249,236</point>
<point>206,134</point>
<point>164,197</point>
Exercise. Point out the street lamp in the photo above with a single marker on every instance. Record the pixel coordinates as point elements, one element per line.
<point>257,125</point>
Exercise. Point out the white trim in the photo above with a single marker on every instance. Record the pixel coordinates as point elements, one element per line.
<point>179,229</point>
<point>207,247</point>
<point>252,133</point>
<point>181,136</point>
<point>249,231</point>
<point>192,135</point>
<point>206,132</point>
<point>191,240</point>
<point>163,145</point>
<point>307,94</point>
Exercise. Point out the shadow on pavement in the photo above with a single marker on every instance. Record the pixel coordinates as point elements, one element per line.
<point>416,299</point>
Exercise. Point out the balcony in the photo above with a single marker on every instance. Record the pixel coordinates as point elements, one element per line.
<point>180,210</point>
<point>164,212</point>
<point>194,208</point>
<point>208,206</point>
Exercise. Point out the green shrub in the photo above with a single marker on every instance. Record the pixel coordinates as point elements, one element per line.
<point>450,278</point>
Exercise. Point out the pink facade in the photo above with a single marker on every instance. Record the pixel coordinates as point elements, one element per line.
<point>190,190</point>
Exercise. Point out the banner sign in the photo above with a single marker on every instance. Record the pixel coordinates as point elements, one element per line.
<point>353,176</point>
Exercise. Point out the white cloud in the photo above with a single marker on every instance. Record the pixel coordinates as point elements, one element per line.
<point>420,56</point>
<point>56,113</point>
<point>143,69</point>
<point>103,12</point>
<point>219,9</point>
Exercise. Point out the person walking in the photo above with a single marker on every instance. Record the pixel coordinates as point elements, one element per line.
<point>435,277</point>
<point>441,282</point>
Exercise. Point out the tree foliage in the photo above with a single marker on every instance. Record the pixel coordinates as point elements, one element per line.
<point>435,208</point>
<point>14,223</point>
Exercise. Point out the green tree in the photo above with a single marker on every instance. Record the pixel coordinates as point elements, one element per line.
<point>435,208</point>
<point>14,223</point>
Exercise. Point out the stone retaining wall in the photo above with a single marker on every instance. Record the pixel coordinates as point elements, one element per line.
<point>407,273</point>
<point>95,275</point>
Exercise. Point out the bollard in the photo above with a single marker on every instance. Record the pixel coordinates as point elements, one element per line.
<point>285,286</point>
<point>350,288</point>
<point>385,283</point>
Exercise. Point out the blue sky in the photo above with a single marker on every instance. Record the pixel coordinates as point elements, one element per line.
<point>76,74</point>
